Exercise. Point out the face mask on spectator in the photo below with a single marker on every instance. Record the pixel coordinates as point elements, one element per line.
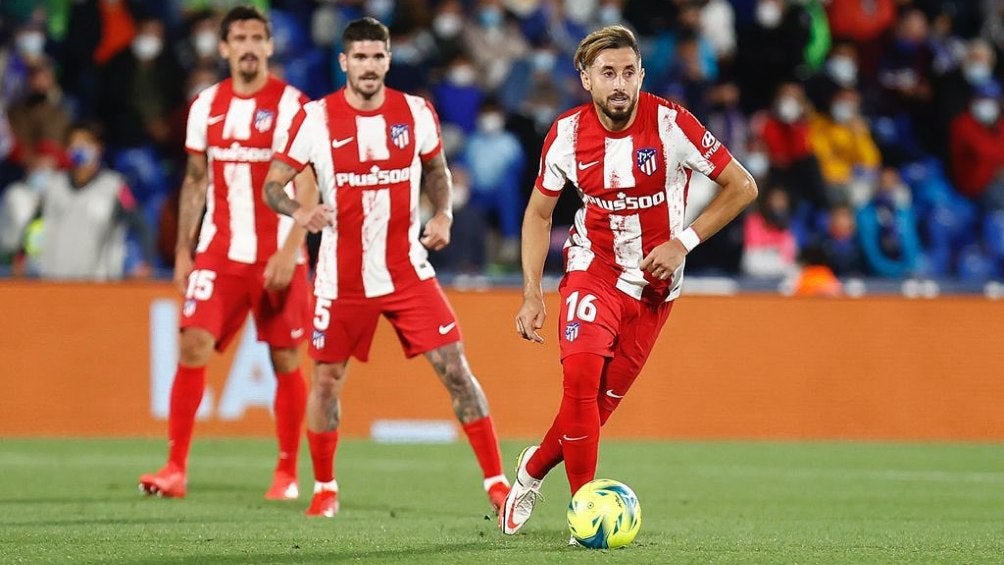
<point>788,109</point>
<point>768,14</point>
<point>83,155</point>
<point>447,25</point>
<point>491,122</point>
<point>490,17</point>
<point>579,10</point>
<point>543,61</point>
<point>757,163</point>
<point>985,110</point>
<point>610,15</point>
<point>205,43</point>
<point>146,47</point>
<point>30,44</point>
<point>976,73</point>
<point>461,75</point>
<point>543,115</point>
<point>380,9</point>
<point>843,111</point>
<point>843,70</point>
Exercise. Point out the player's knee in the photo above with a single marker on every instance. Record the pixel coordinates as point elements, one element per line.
<point>196,347</point>
<point>328,378</point>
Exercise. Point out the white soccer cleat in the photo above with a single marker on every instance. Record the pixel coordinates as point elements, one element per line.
<point>523,495</point>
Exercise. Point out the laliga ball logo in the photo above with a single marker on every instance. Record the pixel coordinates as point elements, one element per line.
<point>604,514</point>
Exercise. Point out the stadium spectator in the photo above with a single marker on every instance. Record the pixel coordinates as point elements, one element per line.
<point>624,268</point>
<point>372,260</point>
<point>140,88</point>
<point>840,244</point>
<point>495,160</point>
<point>977,149</point>
<point>16,64</point>
<point>493,42</point>
<point>39,119</point>
<point>458,96</point>
<point>888,230</point>
<point>864,23</point>
<point>839,71</point>
<point>83,216</point>
<point>906,73</point>
<point>781,33</point>
<point>954,89</point>
<point>785,131</point>
<point>769,246</point>
<point>843,145</point>
<point>247,259</point>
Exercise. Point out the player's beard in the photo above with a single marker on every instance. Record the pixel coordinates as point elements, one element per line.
<point>618,116</point>
<point>366,94</point>
<point>249,75</point>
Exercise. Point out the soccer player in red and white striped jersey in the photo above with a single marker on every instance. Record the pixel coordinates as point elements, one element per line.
<point>247,258</point>
<point>630,155</point>
<point>374,149</point>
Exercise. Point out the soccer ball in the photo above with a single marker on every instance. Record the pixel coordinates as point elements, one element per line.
<point>604,514</point>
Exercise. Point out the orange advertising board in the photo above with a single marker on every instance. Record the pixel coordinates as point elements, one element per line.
<point>97,360</point>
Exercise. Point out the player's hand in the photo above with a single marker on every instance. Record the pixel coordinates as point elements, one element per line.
<point>279,270</point>
<point>315,219</point>
<point>664,259</point>
<point>183,266</point>
<point>436,234</point>
<point>530,319</point>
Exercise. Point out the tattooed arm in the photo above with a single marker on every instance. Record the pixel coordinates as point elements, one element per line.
<point>191,203</point>
<point>438,186</point>
<point>273,193</point>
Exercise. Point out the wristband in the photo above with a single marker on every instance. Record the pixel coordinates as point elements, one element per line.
<point>689,239</point>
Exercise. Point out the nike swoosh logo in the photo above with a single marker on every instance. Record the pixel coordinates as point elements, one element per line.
<point>336,143</point>
<point>443,330</point>
<point>610,393</point>
<point>296,334</point>
<point>510,524</point>
<point>215,119</point>
<point>566,438</point>
<point>584,166</point>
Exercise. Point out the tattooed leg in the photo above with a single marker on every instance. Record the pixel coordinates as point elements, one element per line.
<point>324,408</point>
<point>469,402</point>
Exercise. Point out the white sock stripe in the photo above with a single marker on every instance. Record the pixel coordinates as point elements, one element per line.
<point>331,485</point>
<point>490,481</point>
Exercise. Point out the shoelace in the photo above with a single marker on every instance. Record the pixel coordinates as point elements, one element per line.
<point>527,500</point>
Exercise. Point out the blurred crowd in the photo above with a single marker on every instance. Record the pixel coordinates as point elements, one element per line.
<point>873,127</point>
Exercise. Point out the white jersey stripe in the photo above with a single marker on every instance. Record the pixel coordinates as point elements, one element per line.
<point>238,122</point>
<point>371,134</point>
<point>289,105</point>
<point>326,281</point>
<point>208,230</point>
<point>376,218</point>
<point>240,197</point>
<point>618,162</point>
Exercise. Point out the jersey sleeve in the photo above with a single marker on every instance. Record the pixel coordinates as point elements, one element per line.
<point>698,149</point>
<point>198,116</point>
<point>551,176</point>
<point>427,132</point>
<point>298,148</point>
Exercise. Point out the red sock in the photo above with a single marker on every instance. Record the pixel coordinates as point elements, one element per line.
<point>548,455</point>
<point>290,404</point>
<point>322,454</point>
<point>485,443</point>
<point>186,395</point>
<point>579,417</point>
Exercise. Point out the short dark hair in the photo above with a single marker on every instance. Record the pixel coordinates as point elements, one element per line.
<point>91,127</point>
<point>241,13</point>
<point>365,29</point>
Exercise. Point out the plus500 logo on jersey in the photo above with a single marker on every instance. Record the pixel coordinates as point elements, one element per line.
<point>624,202</point>
<point>375,177</point>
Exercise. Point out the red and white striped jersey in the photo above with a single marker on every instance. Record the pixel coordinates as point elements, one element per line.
<point>238,135</point>
<point>369,169</point>
<point>633,185</point>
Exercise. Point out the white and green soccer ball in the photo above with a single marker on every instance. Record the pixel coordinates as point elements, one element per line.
<point>604,514</point>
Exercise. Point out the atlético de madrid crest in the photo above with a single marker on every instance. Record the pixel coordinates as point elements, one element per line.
<point>399,135</point>
<point>646,160</point>
<point>263,120</point>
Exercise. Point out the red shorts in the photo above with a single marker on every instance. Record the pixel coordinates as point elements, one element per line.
<point>420,314</point>
<point>219,302</point>
<point>595,317</point>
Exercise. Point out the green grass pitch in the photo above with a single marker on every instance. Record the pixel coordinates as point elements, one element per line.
<point>713,502</point>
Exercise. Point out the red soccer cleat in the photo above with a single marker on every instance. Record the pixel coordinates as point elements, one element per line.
<point>283,487</point>
<point>324,504</point>
<point>497,494</point>
<point>169,482</point>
